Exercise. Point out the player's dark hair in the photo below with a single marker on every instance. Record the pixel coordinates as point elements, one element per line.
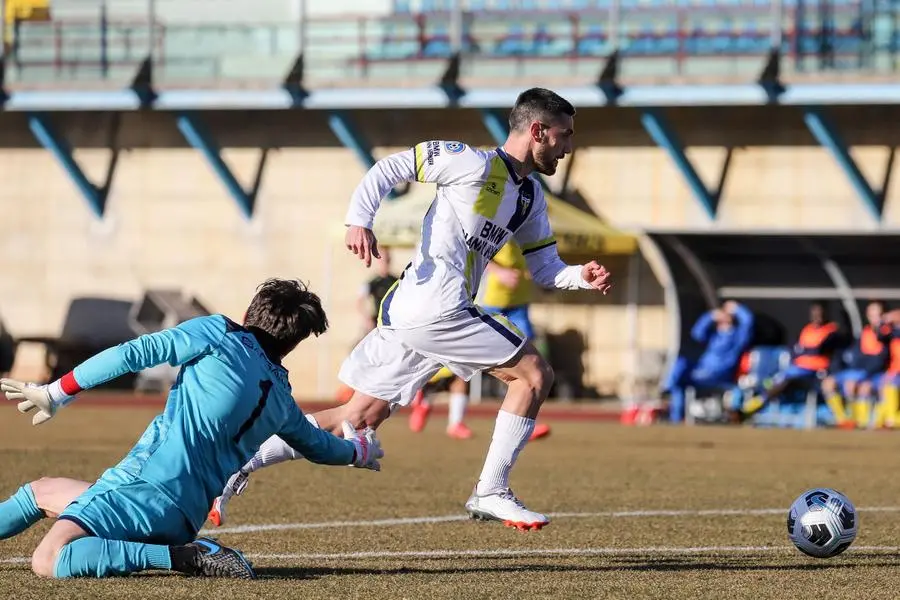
<point>538,104</point>
<point>282,314</point>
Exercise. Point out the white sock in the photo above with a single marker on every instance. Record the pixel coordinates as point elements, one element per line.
<point>511,433</point>
<point>275,450</point>
<point>457,409</point>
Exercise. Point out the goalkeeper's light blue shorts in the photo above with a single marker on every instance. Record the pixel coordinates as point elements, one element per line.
<point>121,507</point>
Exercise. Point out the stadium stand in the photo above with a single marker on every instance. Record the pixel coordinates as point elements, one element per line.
<point>253,40</point>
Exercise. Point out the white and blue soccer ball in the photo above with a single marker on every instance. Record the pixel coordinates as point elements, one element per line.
<point>822,522</point>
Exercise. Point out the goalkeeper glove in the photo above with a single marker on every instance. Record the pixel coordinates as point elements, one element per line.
<point>32,396</point>
<point>367,449</point>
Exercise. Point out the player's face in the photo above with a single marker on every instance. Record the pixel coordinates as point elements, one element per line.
<point>552,141</point>
<point>874,312</point>
<point>816,314</point>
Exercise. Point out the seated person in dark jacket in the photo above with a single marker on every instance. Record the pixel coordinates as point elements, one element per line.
<point>886,385</point>
<point>868,358</point>
<point>726,333</point>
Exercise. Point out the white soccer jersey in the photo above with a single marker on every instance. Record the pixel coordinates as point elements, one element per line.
<point>480,202</point>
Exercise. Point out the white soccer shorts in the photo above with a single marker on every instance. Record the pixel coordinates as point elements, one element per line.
<point>394,364</point>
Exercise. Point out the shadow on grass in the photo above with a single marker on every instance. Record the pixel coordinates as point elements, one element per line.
<point>590,565</point>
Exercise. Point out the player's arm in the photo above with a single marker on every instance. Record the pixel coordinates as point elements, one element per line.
<point>704,326</point>
<point>745,322</point>
<point>538,245</point>
<point>175,346</point>
<point>324,448</point>
<point>444,163</point>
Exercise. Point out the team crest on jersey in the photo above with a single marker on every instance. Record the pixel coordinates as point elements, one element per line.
<point>454,147</point>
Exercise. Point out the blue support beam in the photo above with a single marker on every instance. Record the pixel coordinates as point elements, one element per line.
<point>496,125</point>
<point>656,125</point>
<point>349,136</point>
<point>828,137</point>
<point>48,137</point>
<point>344,130</point>
<point>199,138</point>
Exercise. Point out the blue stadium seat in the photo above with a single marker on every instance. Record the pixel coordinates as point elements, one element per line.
<point>514,42</point>
<point>438,44</point>
<point>723,41</point>
<point>765,363</point>
<point>797,409</point>
<point>667,42</point>
<point>593,42</point>
<point>542,43</point>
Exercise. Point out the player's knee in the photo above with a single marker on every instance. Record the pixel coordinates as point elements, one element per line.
<point>43,560</point>
<point>828,385</point>
<point>539,376</point>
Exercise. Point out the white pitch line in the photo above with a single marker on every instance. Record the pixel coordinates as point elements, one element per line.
<point>511,553</point>
<point>505,553</point>
<point>562,515</point>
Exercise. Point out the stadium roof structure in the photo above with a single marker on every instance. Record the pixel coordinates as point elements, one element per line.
<point>447,92</point>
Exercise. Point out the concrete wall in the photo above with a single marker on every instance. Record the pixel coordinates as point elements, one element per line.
<point>170,222</point>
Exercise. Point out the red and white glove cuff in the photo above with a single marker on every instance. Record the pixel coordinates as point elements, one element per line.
<point>63,390</point>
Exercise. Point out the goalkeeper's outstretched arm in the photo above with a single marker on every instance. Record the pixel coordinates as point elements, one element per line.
<point>174,346</point>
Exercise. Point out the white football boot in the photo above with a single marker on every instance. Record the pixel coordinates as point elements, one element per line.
<point>235,487</point>
<point>503,506</point>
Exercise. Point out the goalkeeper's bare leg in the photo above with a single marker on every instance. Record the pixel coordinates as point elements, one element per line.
<point>46,497</point>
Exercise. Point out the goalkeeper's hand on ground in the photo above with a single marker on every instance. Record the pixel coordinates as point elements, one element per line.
<point>367,448</point>
<point>30,396</point>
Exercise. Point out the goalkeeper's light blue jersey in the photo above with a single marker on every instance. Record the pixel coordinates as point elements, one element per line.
<point>228,399</point>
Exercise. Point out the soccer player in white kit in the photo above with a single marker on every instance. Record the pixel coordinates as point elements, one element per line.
<point>429,319</point>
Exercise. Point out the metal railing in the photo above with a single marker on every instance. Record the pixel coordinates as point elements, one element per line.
<point>718,40</point>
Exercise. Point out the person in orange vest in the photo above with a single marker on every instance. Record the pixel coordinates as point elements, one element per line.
<point>811,359</point>
<point>888,383</point>
<point>868,358</point>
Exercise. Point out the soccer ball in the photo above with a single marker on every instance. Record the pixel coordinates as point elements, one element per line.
<point>822,522</point>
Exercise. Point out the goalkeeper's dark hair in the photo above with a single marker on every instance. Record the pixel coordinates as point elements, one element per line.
<point>282,314</point>
<point>538,104</point>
